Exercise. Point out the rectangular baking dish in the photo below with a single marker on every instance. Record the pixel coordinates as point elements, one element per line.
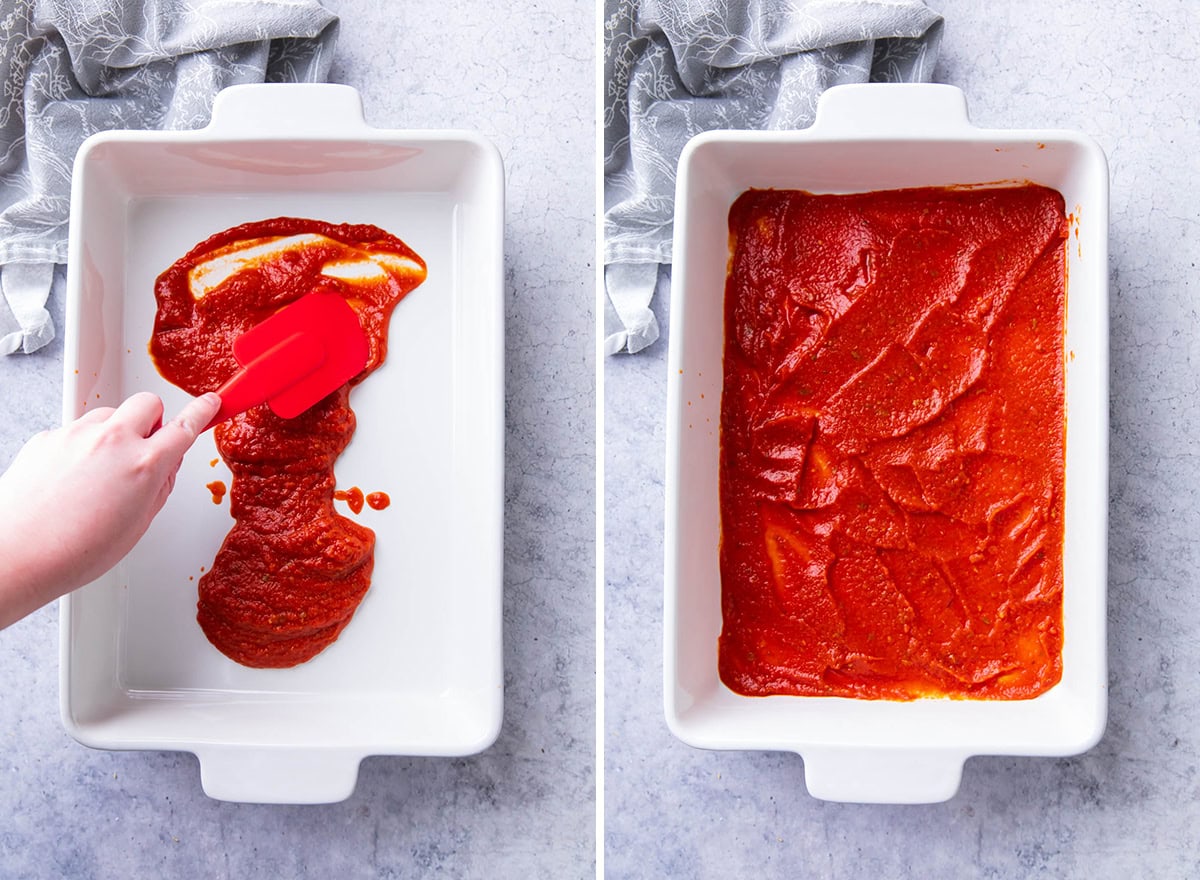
<point>866,138</point>
<point>418,671</point>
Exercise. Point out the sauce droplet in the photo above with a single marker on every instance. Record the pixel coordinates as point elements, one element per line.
<point>217,488</point>
<point>378,500</point>
<point>352,496</point>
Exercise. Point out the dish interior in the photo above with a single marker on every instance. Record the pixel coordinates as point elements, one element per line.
<point>715,170</point>
<point>417,670</point>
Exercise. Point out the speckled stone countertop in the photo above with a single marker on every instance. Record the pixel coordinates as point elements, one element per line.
<point>523,76</point>
<point>1126,75</point>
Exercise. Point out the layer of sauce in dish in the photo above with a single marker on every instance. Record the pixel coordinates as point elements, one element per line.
<point>291,573</point>
<point>892,444</point>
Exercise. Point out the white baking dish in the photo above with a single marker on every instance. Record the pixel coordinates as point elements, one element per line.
<point>866,138</point>
<point>419,669</point>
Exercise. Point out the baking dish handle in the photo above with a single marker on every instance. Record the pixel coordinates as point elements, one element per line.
<point>278,775</point>
<point>884,776</point>
<point>291,109</point>
<point>898,109</point>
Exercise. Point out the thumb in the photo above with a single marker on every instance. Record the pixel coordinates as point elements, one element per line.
<point>178,434</point>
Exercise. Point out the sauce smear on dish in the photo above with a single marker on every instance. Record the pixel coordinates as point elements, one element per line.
<point>291,573</point>
<point>892,444</point>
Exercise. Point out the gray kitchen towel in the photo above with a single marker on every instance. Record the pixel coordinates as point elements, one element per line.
<point>676,68</point>
<point>72,68</point>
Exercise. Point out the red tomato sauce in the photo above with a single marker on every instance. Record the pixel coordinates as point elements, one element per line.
<point>378,500</point>
<point>291,573</point>
<point>352,496</point>
<point>892,444</point>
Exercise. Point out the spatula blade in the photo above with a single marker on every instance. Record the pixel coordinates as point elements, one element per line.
<point>330,320</point>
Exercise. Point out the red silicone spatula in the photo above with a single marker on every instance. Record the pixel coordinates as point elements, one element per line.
<point>294,358</point>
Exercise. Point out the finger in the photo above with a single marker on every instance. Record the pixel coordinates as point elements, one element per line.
<point>178,434</point>
<point>142,412</point>
<point>99,414</point>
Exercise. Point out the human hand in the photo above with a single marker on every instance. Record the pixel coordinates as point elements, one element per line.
<point>76,499</point>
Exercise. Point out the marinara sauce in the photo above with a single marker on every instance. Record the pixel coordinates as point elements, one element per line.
<point>291,573</point>
<point>892,444</point>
